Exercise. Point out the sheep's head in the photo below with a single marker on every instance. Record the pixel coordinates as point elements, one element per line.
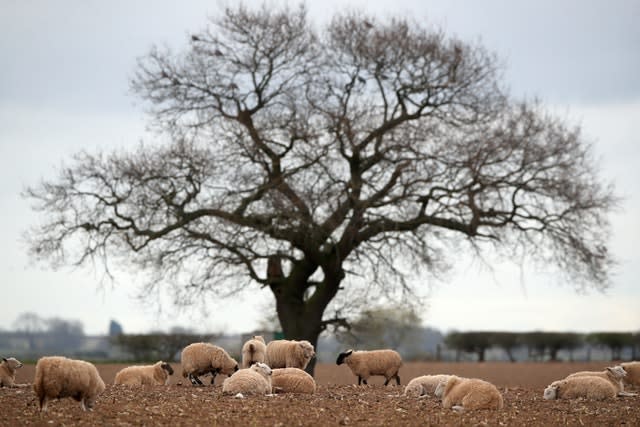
<point>617,371</point>
<point>12,363</point>
<point>414,390</point>
<point>262,369</point>
<point>166,367</point>
<point>439,391</point>
<point>307,349</point>
<point>551,392</point>
<point>259,338</point>
<point>343,356</point>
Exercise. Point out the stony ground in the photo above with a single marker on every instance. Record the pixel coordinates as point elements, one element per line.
<point>337,402</point>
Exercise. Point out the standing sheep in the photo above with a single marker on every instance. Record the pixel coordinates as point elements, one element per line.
<point>594,388</point>
<point>202,358</point>
<point>254,380</point>
<point>289,354</point>
<point>424,385</point>
<point>613,374</point>
<point>156,374</point>
<point>58,377</point>
<point>633,372</point>
<point>376,362</point>
<point>254,351</point>
<point>468,393</point>
<point>292,380</point>
<point>8,369</point>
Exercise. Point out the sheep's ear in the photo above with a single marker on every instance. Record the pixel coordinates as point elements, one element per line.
<point>4,359</point>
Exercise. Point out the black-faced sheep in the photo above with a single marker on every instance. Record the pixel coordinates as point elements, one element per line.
<point>254,351</point>
<point>58,377</point>
<point>365,364</point>
<point>614,374</point>
<point>633,373</point>
<point>593,388</point>
<point>424,385</point>
<point>289,354</point>
<point>8,369</point>
<point>156,374</point>
<point>201,358</point>
<point>292,380</point>
<point>468,393</point>
<point>253,380</point>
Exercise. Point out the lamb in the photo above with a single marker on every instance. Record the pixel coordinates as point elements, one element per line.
<point>292,380</point>
<point>253,351</point>
<point>289,354</point>
<point>613,374</point>
<point>424,385</point>
<point>633,372</point>
<point>202,358</point>
<point>156,374</point>
<point>8,369</point>
<point>468,393</point>
<point>376,362</point>
<point>58,377</point>
<point>594,388</point>
<point>253,380</point>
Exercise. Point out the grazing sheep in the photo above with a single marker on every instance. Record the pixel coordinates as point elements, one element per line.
<point>594,388</point>
<point>424,385</point>
<point>376,362</point>
<point>58,377</point>
<point>289,354</point>
<point>253,380</point>
<point>613,374</point>
<point>156,374</point>
<point>292,380</point>
<point>202,358</point>
<point>254,351</point>
<point>8,369</point>
<point>468,393</point>
<point>633,372</point>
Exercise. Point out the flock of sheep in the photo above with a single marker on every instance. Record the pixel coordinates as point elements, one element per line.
<point>278,367</point>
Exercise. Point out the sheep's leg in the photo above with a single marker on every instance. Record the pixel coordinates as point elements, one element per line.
<point>43,404</point>
<point>386,380</point>
<point>359,380</point>
<point>398,379</point>
<point>195,380</point>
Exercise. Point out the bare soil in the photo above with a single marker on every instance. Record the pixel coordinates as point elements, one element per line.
<point>338,401</point>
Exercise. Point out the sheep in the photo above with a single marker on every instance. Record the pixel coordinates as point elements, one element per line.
<point>202,358</point>
<point>253,380</point>
<point>633,372</point>
<point>376,362</point>
<point>156,374</point>
<point>292,380</point>
<point>253,351</point>
<point>58,377</point>
<point>595,388</point>
<point>424,385</point>
<point>613,374</point>
<point>461,394</point>
<point>8,369</point>
<point>289,354</point>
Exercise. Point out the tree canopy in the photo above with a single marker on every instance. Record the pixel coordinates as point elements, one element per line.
<point>347,158</point>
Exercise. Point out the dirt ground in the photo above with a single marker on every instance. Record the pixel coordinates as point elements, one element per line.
<point>338,401</point>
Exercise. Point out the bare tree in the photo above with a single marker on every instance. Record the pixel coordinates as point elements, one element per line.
<point>350,156</point>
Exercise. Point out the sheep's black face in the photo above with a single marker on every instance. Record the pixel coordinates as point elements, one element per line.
<point>167,368</point>
<point>343,356</point>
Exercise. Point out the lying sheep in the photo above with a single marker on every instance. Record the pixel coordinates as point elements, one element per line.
<point>254,351</point>
<point>253,380</point>
<point>156,374</point>
<point>424,385</point>
<point>633,372</point>
<point>58,377</point>
<point>292,380</point>
<point>8,369</point>
<point>613,374</point>
<point>368,363</point>
<point>289,354</point>
<point>594,388</point>
<point>468,393</point>
<point>201,358</point>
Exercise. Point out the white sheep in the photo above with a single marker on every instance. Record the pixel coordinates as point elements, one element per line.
<point>254,351</point>
<point>468,393</point>
<point>8,369</point>
<point>58,377</point>
<point>633,372</point>
<point>156,374</point>
<point>613,374</point>
<point>594,388</point>
<point>289,354</point>
<point>292,380</point>
<point>203,358</point>
<point>424,385</point>
<point>253,380</point>
<point>375,362</point>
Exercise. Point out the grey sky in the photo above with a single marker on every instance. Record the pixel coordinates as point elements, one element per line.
<point>64,70</point>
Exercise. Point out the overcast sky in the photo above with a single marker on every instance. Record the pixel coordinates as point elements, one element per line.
<point>64,71</point>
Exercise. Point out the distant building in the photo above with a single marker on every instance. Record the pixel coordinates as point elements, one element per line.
<point>115,328</point>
